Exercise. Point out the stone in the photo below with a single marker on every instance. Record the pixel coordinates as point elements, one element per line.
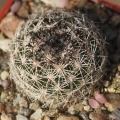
<point>6,117</point>
<point>34,106</point>
<point>3,96</point>
<point>21,117</point>
<point>46,118</point>
<point>4,75</point>
<point>85,102</point>
<point>84,115</point>
<point>67,118</point>
<point>23,102</point>
<point>9,24</point>
<point>82,3</point>
<point>23,10</point>
<point>87,108</point>
<point>106,83</point>
<point>25,111</point>
<point>72,4</point>
<point>113,101</point>
<point>72,110</point>
<point>9,108</point>
<point>36,115</point>
<point>115,85</point>
<point>4,44</point>
<point>16,100</point>
<point>56,3</point>
<point>79,106</point>
<point>96,116</point>
<point>6,84</point>
<point>111,89</point>
<point>2,108</point>
<point>50,113</point>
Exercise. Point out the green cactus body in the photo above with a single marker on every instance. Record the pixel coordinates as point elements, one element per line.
<point>57,57</point>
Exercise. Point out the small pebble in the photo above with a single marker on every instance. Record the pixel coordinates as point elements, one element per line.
<point>72,110</point>
<point>34,106</point>
<point>106,83</point>
<point>95,116</point>
<point>21,117</point>
<point>9,108</point>
<point>16,100</point>
<point>4,75</point>
<point>24,10</point>
<point>23,102</point>
<point>46,118</point>
<point>2,108</point>
<point>111,90</point>
<point>79,107</point>
<point>9,24</point>
<point>25,111</point>
<point>87,108</point>
<point>113,101</point>
<point>6,83</point>
<point>112,117</point>
<point>85,102</point>
<point>6,117</point>
<point>51,113</point>
<point>3,96</point>
<point>56,3</point>
<point>67,118</point>
<point>36,115</point>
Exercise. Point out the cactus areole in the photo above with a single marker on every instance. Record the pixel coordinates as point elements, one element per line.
<point>57,57</point>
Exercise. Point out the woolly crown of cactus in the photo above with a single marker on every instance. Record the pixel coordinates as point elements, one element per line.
<point>57,57</point>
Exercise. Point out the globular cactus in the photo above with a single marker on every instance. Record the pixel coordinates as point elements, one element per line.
<point>57,57</point>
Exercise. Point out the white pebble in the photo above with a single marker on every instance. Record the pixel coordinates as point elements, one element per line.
<point>6,84</point>
<point>112,90</point>
<point>46,118</point>
<point>16,100</point>
<point>34,106</point>
<point>85,102</point>
<point>23,102</point>
<point>36,115</point>
<point>6,117</point>
<point>87,107</point>
<point>67,118</point>
<point>4,75</point>
<point>72,110</point>
<point>21,117</point>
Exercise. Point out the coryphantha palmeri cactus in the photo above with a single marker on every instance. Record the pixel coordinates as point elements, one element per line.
<point>57,57</point>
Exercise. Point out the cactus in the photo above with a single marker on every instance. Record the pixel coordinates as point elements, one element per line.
<point>57,57</point>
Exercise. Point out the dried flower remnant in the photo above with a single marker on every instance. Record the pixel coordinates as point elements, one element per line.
<point>93,103</point>
<point>100,98</point>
